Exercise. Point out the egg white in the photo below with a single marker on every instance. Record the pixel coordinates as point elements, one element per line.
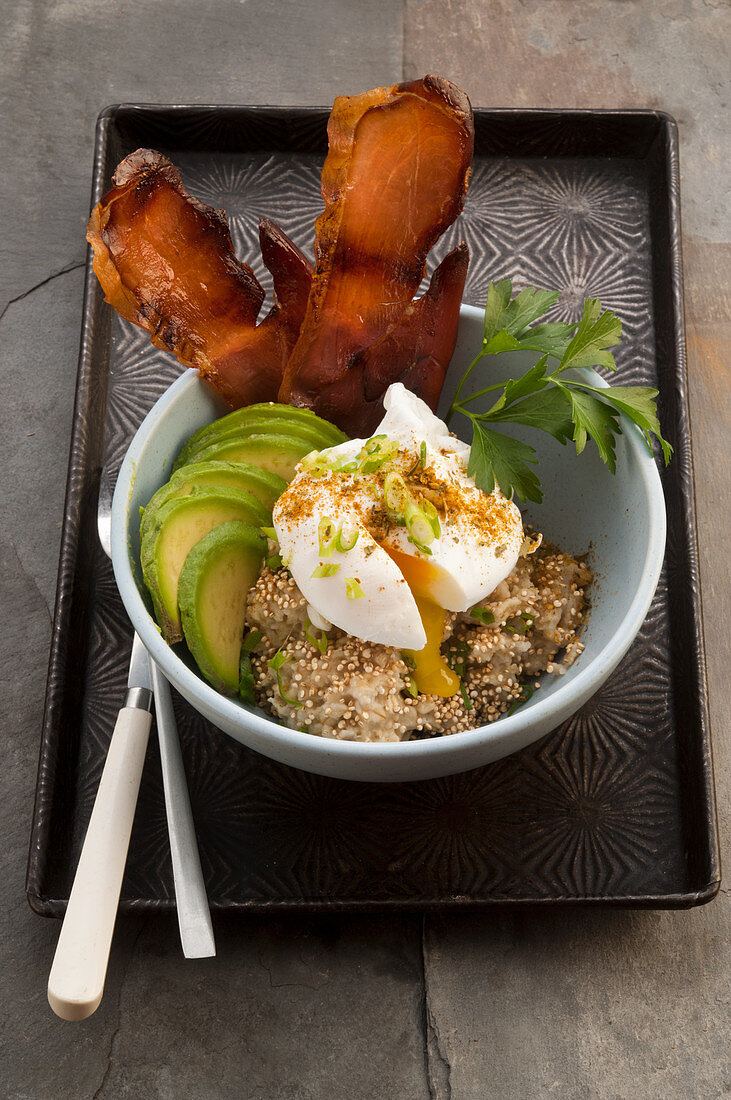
<point>464,565</point>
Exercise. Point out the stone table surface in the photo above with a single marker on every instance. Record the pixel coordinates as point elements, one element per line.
<point>578,1004</point>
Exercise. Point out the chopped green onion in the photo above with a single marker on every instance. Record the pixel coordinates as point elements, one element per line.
<point>352,589</point>
<point>420,546</point>
<point>246,679</point>
<point>457,654</point>
<point>468,705</point>
<point>421,530</point>
<point>374,443</point>
<point>483,615</point>
<point>395,496</point>
<point>344,542</point>
<point>279,659</point>
<point>326,570</point>
<point>270,533</point>
<point>519,624</point>
<point>371,463</point>
<point>251,641</point>
<point>246,672</point>
<point>375,453</point>
<point>326,533</point>
<point>319,643</point>
<point>420,463</point>
<point>309,463</point>
<point>432,516</point>
<point>274,562</point>
<point>408,660</point>
<point>526,694</point>
<point>319,463</point>
<point>411,687</point>
<point>348,467</point>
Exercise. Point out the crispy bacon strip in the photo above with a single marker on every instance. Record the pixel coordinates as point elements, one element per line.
<point>166,262</point>
<point>253,370</point>
<point>416,352</point>
<point>394,179</point>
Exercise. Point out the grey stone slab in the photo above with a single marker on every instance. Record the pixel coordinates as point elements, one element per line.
<point>583,1006</point>
<point>291,1009</point>
<point>297,1009</point>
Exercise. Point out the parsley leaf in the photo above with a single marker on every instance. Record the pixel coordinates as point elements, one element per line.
<point>596,332</point>
<point>512,316</point>
<point>638,403</point>
<point>497,458</point>
<point>565,408</point>
<point>592,417</point>
<point>549,410</point>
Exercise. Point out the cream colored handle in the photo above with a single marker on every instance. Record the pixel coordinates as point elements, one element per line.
<point>76,981</point>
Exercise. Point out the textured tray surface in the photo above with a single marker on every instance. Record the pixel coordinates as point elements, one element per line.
<point>615,806</point>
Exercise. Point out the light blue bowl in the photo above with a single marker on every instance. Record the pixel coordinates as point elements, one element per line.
<point>620,519</point>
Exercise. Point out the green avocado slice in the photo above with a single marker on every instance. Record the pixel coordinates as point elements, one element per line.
<point>262,484</point>
<point>279,454</point>
<point>267,417</point>
<point>214,583</point>
<point>171,532</point>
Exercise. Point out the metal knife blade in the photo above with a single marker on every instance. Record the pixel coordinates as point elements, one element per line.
<point>139,679</point>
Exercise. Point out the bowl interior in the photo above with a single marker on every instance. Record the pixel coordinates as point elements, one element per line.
<point>618,520</point>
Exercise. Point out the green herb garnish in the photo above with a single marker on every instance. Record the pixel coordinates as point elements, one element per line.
<point>326,534</point>
<point>457,654</point>
<point>421,528</point>
<point>280,659</point>
<point>246,673</point>
<point>274,562</point>
<point>526,694</point>
<point>563,407</point>
<point>326,570</point>
<point>483,615</point>
<point>519,624</point>
<point>319,643</point>
<point>352,589</point>
<point>251,641</point>
<point>344,542</point>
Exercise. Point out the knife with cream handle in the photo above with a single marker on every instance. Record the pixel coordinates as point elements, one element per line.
<point>76,981</point>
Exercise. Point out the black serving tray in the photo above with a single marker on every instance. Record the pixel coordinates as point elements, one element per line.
<point>614,807</point>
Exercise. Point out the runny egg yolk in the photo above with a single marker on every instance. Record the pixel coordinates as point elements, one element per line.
<point>432,674</point>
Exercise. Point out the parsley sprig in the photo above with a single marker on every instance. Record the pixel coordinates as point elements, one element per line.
<point>565,408</point>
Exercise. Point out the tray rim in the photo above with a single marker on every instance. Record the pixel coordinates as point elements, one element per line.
<point>79,448</point>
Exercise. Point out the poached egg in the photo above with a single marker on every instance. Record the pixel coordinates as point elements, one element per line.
<point>384,536</point>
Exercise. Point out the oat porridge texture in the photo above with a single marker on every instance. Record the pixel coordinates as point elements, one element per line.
<point>334,685</point>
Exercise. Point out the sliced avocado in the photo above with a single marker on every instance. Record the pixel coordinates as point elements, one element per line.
<point>327,435</point>
<point>214,583</point>
<point>266,487</point>
<point>279,454</point>
<point>171,532</point>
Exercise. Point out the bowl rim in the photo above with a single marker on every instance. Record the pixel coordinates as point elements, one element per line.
<point>544,714</point>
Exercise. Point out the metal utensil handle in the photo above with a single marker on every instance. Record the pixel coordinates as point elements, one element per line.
<point>76,981</point>
<point>194,917</point>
